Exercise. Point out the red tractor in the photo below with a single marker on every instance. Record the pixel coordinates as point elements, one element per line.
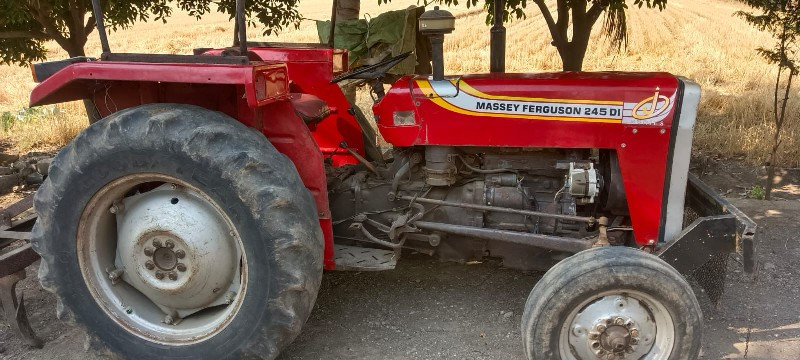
<point>196,218</point>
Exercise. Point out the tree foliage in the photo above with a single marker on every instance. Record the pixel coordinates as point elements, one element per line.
<point>781,18</point>
<point>26,24</point>
<point>583,15</point>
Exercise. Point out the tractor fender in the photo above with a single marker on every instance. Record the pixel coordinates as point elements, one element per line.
<point>261,83</point>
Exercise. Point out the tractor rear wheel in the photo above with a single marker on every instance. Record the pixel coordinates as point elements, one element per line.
<point>171,231</point>
<point>612,303</point>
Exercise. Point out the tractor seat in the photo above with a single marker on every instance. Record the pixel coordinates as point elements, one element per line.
<point>309,107</point>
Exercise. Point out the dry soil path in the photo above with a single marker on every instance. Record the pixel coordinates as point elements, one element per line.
<point>431,310</point>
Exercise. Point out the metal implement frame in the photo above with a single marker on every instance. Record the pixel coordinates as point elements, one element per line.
<point>703,247</point>
<point>12,266</point>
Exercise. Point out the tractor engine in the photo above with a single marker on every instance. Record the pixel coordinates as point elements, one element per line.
<point>466,203</point>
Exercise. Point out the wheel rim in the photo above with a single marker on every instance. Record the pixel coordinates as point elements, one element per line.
<point>618,325</point>
<point>162,259</point>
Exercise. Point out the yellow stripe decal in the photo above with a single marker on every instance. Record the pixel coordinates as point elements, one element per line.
<point>442,101</point>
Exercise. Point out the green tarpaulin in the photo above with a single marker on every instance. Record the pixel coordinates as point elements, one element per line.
<point>369,41</point>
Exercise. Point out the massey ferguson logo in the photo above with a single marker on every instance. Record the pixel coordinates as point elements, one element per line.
<point>651,107</point>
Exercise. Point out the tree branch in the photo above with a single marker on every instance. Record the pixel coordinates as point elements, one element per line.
<point>558,39</point>
<point>596,10</point>
<point>23,35</point>
<point>44,18</point>
<point>91,24</point>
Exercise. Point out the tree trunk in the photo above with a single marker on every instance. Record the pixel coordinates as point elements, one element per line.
<point>75,50</point>
<point>776,139</point>
<point>572,57</point>
<point>348,10</point>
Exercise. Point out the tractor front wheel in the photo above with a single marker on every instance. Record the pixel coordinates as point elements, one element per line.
<point>171,231</point>
<point>612,303</point>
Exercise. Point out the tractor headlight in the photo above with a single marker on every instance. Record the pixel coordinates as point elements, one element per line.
<point>404,118</point>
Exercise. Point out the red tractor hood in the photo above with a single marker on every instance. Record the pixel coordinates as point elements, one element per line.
<point>631,113</point>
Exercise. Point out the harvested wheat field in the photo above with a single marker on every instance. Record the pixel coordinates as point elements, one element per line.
<point>702,40</point>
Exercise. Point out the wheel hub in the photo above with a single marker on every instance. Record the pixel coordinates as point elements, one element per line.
<point>176,250</point>
<point>613,327</point>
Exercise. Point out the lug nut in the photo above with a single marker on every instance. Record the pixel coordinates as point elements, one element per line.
<point>159,275</point>
<point>179,254</point>
<point>148,251</point>
<point>149,265</point>
<point>169,244</point>
<point>173,276</point>
<point>635,332</point>
<point>601,327</point>
<point>169,320</point>
<point>115,275</point>
<point>157,243</point>
<point>181,267</point>
<point>619,321</point>
<point>634,340</point>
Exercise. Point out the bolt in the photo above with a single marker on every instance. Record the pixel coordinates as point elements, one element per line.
<point>148,251</point>
<point>128,311</point>
<point>229,296</point>
<point>623,145</point>
<point>157,243</point>
<point>159,275</point>
<point>635,332</point>
<point>181,267</point>
<point>629,324</point>
<point>168,244</point>
<point>173,276</point>
<point>149,265</point>
<point>173,186</point>
<point>651,242</point>
<point>115,275</point>
<point>577,330</point>
<point>113,209</point>
<point>634,340</point>
<point>600,327</point>
<point>232,233</point>
<point>619,321</point>
<point>180,254</point>
<point>169,320</point>
<point>662,131</point>
<point>635,131</point>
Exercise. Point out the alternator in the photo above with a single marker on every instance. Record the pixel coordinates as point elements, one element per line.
<point>583,183</point>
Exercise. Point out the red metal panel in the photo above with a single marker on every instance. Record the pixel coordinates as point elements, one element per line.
<point>77,81</point>
<point>446,118</point>
<point>287,132</point>
<point>310,71</point>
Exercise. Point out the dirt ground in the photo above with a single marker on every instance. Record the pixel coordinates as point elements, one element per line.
<point>430,310</point>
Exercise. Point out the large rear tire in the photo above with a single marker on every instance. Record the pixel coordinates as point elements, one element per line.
<point>612,303</point>
<point>171,231</point>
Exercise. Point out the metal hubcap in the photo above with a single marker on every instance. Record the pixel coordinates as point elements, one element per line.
<point>155,252</point>
<point>630,325</point>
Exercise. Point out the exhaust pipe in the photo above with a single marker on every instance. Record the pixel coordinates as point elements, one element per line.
<point>497,45</point>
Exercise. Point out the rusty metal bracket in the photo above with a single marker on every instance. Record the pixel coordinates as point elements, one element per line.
<point>14,310</point>
<point>13,261</point>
